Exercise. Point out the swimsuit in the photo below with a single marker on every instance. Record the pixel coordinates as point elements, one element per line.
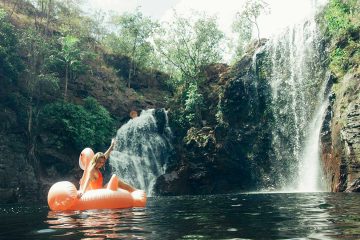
<point>98,183</point>
<point>93,184</point>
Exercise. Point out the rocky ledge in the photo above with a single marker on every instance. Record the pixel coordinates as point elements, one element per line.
<point>340,140</point>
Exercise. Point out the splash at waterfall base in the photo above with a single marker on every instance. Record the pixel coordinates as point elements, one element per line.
<point>63,196</point>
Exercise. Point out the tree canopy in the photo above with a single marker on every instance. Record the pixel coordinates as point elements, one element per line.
<point>246,20</point>
<point>10,61</point>
<point>188,45</point>
<point>132,38</point>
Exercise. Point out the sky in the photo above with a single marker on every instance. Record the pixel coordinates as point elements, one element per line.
<point>153,8</point>
<point>283,12</point>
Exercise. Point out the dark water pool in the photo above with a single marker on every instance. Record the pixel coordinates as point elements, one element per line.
<point>235,216</point>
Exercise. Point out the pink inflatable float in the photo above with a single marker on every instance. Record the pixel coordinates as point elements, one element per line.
<point>63,195</point>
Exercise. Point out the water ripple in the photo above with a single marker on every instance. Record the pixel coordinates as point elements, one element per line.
<point>233,216</point>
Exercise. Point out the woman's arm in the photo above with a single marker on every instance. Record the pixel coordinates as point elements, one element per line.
<point>107,153</point>
<point>87,181</point>
<point>81,182</point>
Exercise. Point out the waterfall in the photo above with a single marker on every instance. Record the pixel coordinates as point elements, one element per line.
<point>310,171</point>
<point>142,150</point>
<point>298,105</point>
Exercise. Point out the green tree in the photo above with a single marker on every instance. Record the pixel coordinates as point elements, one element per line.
<point>246,19</point>
<point>69,17</point>
<point>10,61</point>
<point>96,25</point>
<point>188,45</point>
<point>45,14</point>
<point>38,84</point>
<point>132,39</point>
<point>70,57</point>
<point>193,104</point>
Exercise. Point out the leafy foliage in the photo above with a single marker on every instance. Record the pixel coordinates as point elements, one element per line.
<point>245,20</point>
<point>188,45</point>
<point>70,58</point>
<point>337,17</point>
<point>193,104</point>
<point>132,39</point>
<point>101,121</point>
<point>343,26</point>
<point>40,81</point>
<point>88,125</point>
<point>10,61</point>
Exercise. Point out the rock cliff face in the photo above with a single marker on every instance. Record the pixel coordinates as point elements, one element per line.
<point>340,141</point>
<point>230,152</point>
<point>18,178</point>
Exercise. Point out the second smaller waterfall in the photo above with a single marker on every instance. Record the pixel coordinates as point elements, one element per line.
<point>142,150</point>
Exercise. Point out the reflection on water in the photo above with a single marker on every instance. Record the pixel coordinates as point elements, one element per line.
<point>98,224</point>
<point>235,216</point>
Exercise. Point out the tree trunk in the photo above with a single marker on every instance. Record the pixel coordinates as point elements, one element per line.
<point>130,73</point>
<point>30,113</point>
<point>132,64</point>
<point>258,30</point>
<point>14,8</point>
<point>152,76</point>
<point>66,81</point>
<point>31,138</point>
<point>48,17</point>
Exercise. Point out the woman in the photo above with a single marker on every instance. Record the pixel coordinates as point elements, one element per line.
<point>92,177</point>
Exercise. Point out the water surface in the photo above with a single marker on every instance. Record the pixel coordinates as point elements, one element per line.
<point>234,216</point>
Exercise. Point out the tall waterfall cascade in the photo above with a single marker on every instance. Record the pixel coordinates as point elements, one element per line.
<point>142,149</point>
<point>298,83</point>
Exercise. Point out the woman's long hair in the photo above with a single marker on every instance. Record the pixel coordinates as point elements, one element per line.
<point>96,157</point>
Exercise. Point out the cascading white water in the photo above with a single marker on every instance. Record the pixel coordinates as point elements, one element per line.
<point>310,171</point>
<point>297,105</point>
<point>142,150</point>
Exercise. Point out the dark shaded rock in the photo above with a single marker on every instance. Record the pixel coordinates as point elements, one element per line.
<point>161,120</point>
<point>354,186</point>
<point>8,195</point>
<point>174,183</point>
<point>18,180</point>
<point>141,79</point>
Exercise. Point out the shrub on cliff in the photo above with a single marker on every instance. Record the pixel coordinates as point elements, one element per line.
<point>10,62</point>
<point>342,25</point>
<point>88,125</point>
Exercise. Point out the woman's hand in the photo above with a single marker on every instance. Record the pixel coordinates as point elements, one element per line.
<point>80,194</point>
<point>113,142</point>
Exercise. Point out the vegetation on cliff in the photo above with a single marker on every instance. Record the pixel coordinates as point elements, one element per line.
<point>342,26</point>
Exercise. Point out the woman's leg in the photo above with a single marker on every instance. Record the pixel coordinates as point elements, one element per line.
<point>125,186</point>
